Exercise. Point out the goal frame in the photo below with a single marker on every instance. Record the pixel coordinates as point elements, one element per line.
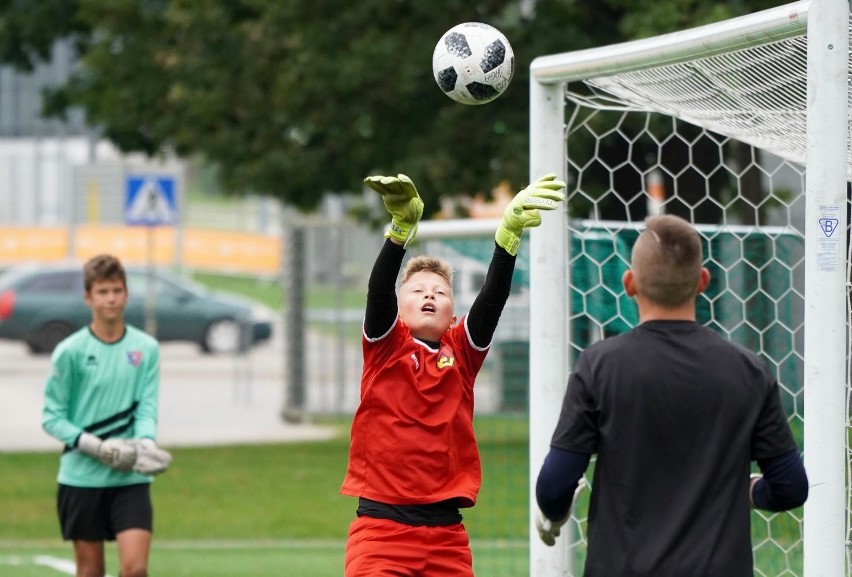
<point>825,333</point>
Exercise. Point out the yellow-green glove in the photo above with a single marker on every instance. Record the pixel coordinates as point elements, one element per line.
<point>522,212</point>
<point>403,203</point>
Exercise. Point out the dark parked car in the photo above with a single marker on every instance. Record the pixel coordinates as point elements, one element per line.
<point>41,305</point>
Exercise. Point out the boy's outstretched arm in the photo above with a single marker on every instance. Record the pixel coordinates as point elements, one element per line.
<point>403,202</point>
<point>521,213</point>
<point>381,294</point>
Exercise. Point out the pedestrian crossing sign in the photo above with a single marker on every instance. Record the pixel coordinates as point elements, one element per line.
<point>150,200</point>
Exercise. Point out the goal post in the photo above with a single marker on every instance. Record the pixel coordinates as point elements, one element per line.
<point>826,277</point>
<point>766,97</point>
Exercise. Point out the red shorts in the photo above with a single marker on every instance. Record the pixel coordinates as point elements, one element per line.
<point>382,548</point>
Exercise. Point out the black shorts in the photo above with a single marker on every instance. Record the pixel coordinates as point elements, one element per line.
<point>97,514</point>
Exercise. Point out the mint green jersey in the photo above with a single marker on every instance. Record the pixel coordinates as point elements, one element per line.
<point>107,389</point>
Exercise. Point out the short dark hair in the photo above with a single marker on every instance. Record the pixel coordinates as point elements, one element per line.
<point>667,260</point>
<point>103,267</point>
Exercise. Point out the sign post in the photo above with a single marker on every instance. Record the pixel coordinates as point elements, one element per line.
<point>150,201</point>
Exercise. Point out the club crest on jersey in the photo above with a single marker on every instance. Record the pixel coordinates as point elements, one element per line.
<point>135,357</point>
<point>446,357</point>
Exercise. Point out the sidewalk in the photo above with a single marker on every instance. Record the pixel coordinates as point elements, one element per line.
<point>204,400</point>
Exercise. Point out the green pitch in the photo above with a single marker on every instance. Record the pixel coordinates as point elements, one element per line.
<point>225,559</point>
<point>261,510</point>
<point>253,510</point>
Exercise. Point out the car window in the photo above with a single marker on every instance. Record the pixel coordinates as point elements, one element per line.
<point>53,282</point>
<point>184,284</point>
<point>137,284</point>
<point>11,276</point>
<point>169,288</point>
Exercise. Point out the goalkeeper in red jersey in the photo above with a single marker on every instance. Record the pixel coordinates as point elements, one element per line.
<point>413,458</point>
<point>101,401</point>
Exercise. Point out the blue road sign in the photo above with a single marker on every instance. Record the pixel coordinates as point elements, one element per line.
<point>150,200</point>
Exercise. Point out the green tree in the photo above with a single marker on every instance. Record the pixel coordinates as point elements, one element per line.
<point>295,99</point>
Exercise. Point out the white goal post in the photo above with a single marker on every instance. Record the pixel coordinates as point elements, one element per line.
<point>763,91</point>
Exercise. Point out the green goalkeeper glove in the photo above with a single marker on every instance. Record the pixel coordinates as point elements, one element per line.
<point>120,454</point>
<point>402,202</point>
<point>522,212</point>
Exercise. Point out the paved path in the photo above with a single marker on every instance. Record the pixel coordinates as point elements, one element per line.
<point>204,400</point>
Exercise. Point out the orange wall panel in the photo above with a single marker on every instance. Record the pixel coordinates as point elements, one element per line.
<point>232,252</point>
<point>214,250</point>
<point>132,244</point>
<point>33,244</point>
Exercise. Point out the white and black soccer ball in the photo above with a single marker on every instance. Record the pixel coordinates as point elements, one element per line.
<point>473,63</point>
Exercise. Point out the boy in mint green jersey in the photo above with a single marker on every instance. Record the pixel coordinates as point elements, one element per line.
<point>101,401</point>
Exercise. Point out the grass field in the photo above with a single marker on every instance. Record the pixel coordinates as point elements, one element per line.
<point>261,510</point>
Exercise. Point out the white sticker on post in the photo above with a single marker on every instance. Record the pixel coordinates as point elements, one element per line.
<point>828,241</point>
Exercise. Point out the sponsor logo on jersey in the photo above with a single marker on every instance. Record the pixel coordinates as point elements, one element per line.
<point>91,361</point>
<point>416,362</point>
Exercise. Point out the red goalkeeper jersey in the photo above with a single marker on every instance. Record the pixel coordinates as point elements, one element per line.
<point>412,435</point>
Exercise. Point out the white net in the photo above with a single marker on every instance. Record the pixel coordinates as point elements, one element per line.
<point>754,251</point>
<point>714,130</point>
<point>756,95</point>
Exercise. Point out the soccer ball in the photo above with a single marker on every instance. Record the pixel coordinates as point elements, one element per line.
<point>473,63</point>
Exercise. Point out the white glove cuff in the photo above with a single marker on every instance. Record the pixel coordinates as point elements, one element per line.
<point>89,444</point>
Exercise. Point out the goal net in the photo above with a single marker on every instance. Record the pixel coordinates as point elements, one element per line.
<point>741,127</point>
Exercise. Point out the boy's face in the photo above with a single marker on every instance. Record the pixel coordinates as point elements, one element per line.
<point>107,299</point>
<point>426,305</point>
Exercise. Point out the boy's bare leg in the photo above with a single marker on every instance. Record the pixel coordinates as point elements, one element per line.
<point>133,548</point>
<point>89,556</point>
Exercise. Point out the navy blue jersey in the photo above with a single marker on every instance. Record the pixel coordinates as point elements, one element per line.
<point>666,401</point>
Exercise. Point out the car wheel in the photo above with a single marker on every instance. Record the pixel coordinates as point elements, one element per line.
<point>222,337</point>
<point>44,339</point>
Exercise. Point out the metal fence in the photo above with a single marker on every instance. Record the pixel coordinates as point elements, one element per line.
<point>323,343</point>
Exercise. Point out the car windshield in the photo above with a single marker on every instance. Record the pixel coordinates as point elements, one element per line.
<point>165,283</point>
<point>185,283</point>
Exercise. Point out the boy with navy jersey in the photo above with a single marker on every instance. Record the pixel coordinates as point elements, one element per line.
<point>101,401</point>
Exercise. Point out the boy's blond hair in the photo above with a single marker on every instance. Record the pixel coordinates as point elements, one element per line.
<point>428,264</point>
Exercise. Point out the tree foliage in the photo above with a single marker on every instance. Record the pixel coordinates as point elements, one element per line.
<point>295,99</point>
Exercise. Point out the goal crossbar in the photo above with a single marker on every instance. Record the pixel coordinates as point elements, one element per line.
<point>749,31</point>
